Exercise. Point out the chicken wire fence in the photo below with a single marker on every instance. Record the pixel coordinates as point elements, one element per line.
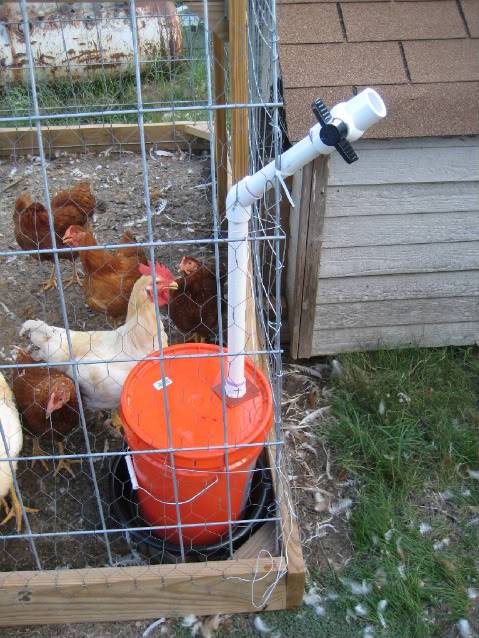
<point>113,204</point>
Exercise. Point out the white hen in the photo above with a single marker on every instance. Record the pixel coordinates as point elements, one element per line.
<point>101,383</point>
<point>11,441</point>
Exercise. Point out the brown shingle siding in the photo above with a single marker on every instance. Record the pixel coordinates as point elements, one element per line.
<point>366,22</point>
<point>292,18</point>
<point>437,41</point>
<point>443,60</point>
<point>337,64</point>
<point>414,110</point>
<point>298,102</point>
<point>471,13</point>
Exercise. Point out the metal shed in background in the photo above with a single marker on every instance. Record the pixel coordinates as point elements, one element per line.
<point>66,37</point>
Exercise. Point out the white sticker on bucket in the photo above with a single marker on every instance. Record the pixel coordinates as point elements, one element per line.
<point>131,472</point>
<point>159,385</point>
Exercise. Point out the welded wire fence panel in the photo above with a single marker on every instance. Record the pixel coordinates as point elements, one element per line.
<point>112,165</point>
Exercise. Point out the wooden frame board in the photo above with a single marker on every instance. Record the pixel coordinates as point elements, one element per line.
<point>97,137</point>
<point>129,593</point>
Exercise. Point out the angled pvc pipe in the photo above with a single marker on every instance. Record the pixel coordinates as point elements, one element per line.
<point>359,113</point>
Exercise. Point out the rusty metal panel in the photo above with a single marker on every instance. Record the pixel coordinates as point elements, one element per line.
<point>75,38</point>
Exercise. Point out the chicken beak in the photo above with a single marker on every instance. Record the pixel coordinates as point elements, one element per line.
<point>67,238</point>
<point>173,286</point>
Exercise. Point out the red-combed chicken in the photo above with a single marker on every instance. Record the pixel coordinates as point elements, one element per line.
<point>109,276</point>
<point>193,305</point>
<point>48,405</point>
<point>32,230</point>
<point>111,353</point>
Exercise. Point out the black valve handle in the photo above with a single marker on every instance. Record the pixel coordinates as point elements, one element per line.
<point>333,132</point>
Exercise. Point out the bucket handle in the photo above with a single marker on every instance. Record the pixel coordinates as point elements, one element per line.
<point>189,500</point>
<point>136,486</point>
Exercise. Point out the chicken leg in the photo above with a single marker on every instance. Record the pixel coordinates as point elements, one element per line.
<point>116,421</point>
<point>51,282</point>
<point>65,464</point>
<point>37,451</point>
<point>15,511</point>
<point>75,278</point>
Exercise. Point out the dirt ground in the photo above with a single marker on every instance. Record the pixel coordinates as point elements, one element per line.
<point>180,190</point>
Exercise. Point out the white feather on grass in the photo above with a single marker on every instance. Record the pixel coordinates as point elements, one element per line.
<point>382,604</point>
<point>361,610</point>
<point>464,628</point>
<point>340,506</point>
<point>424,528</point>
<point>439,545</point>
<point>261,626</point>
<point>358,589</point>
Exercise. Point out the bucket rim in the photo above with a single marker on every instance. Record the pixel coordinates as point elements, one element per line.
<point>202,459</point>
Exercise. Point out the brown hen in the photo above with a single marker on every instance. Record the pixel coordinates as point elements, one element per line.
<point>109,275</point>
<point>32,230</point>
<point>48,405</point>
<point>193,305</point>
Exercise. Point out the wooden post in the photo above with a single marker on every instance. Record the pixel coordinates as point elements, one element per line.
<point>239,86</point>
<point>306,223</point>
<point>221,135</point>
<point>239,161</point>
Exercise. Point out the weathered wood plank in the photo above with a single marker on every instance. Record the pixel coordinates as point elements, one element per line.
<point>264,539</point>
<point>298,230</point>
<point>382,260</point>
<point>408,165</point>
<point>221,132</point>
<point>127,593</point>
<point>196,129</point>
<point>309,288</point>
<point>396,312</point>
<point>290,537</point>
<point>418,142</point>
<point>387,230</point>
<point>97,137</point>
<point>238,34</point>
<point>358,339</point>
<point>384,287</point>
<point>401,199</point>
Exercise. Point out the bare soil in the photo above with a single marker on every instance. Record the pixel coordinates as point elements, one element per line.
<point>179,192</point>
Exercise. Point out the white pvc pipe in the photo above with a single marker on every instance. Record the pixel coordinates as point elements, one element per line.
<point>359,113</point>
<point>237,287</point>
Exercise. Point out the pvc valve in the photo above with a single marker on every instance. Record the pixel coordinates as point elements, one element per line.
<point>334,132</point>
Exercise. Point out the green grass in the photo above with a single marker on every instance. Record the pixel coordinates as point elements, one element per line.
<point>422,444</point>
<point>421,441</point>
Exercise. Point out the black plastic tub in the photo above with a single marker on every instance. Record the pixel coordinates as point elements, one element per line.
<point>125,514</point>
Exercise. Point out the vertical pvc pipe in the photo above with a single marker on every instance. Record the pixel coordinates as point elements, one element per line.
<point>237,293</point>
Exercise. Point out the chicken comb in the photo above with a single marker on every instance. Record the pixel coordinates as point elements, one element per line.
<point>163,272</point>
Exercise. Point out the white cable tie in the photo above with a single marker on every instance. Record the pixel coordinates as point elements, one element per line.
<point>280,177</point>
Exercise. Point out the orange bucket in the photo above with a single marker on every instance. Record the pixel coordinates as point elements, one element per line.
<point>196,420</point>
